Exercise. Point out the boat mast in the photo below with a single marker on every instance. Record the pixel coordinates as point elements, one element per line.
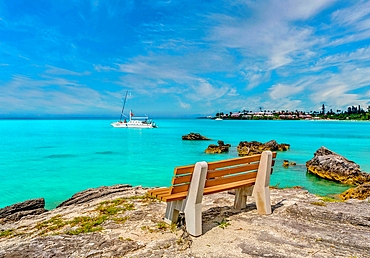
<point>123,107</point>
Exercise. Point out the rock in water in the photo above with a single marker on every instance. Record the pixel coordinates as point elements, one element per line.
<point>194,137</point>
<point>246,148</point>
<point>17,211</point>
<point>220,148</point>
<point>332,166</point>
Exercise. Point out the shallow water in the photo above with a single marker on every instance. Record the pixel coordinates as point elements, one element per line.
<point>56,158</point>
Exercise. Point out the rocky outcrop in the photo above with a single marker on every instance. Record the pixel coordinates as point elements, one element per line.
<point>194,137</point>
<point>19,210</point>
<point>361,192</point>
<point>94,193</point>
<point>301,225</point>
<point>332,166</point>
<point>220,148</point>
<point>246,148</point>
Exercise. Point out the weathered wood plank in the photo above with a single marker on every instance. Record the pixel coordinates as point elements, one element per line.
<point>232,170</point>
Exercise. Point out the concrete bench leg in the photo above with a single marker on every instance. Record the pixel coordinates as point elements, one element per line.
<point>172,211</point>
<point>240,201</point>
<point>193,207</point>
<point>261,191</point>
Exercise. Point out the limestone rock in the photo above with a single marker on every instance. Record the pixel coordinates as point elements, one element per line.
<point>246,148</point>
<point>17,211</point>
<point>301,225</point>
<point>94,193</point>
<point>332,166</point>
<point>220,148</point>
<point>360,192</point>
<point>194,137</point>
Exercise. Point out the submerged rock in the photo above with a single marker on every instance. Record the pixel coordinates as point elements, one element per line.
<point>17,211</point>
<point>246,148</point>
<point>287,163</point>
<point>220,148</point>
<point>332,166</point>
<point>194,137</point>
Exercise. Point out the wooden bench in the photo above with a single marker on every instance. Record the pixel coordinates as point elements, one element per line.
<point>249,176</point>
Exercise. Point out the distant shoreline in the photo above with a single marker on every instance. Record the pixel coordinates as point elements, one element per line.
<point>237,119</point>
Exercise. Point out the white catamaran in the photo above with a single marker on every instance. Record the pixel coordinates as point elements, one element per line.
<point>133,122</point>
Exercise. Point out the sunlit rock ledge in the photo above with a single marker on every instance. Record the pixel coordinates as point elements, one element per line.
<point>332,166</point>
<point>119,221</point>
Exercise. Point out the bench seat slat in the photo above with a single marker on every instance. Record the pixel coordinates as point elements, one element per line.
<point>156,191</point>
<point>173,197</point>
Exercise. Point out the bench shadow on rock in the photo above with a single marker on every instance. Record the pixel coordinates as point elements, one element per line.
<point>214,216</point>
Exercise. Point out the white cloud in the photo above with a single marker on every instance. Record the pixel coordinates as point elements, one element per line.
<point>51,96</point>
<point>270,32</point>
<point>61,71</point>
<point>204,91</point>
<point>356,15</point>
<point>280,91</point>
<point>232,92</point>
<point>184,105</point>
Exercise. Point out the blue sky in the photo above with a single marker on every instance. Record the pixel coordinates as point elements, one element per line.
<point>182,58</point>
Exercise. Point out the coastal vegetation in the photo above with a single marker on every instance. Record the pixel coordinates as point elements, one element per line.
<point>352,113</point>
<point>113,210</point>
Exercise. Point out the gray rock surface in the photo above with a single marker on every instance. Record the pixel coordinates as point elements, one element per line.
<point>22,209</point>
<point>93,193</point>
<point>301,225</point>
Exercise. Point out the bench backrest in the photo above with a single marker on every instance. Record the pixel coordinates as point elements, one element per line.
<point>219,173</point>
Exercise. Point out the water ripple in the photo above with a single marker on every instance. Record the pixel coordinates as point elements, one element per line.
<point>104,152</point>
<point>60,156</point>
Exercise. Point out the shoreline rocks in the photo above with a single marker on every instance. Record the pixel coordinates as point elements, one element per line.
<point>301,225</point>
<point>360,192</point>
<point>19,210</point>
<point>330,165</point>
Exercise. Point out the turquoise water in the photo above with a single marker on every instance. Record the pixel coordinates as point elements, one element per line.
<point>54,159</point>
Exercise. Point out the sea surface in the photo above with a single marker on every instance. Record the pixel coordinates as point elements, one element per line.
<point>54,159</point>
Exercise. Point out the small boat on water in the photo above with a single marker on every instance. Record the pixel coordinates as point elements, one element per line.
<point>133,122</point>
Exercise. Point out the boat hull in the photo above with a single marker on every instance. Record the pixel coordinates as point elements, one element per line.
<point>131,124</point>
